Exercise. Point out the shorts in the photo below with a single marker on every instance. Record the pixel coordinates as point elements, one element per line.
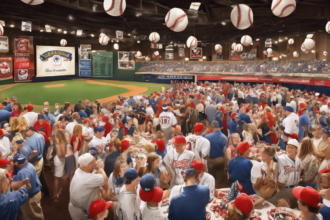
<point>59,167</point>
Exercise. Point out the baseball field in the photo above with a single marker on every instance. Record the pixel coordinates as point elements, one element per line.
<point>71,90</point>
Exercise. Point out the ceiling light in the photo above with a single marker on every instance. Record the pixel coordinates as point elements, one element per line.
<point>59,30</point>
<point>138,41</point>
<point>70,17</point>
<point>310,36</point>
<point>111,41</point>
<point>116,46</point>
<point>92,35</point>
<point>257,39</point>
<point>79,32</point>
<point>204,57</point>
<point>65,32</point>
<point>285,38</point>
<point>138,14</point>
<point>223,23</point>
<point>280,40</point>
<point>48,29</point>
<point>41,30</point>
<point>117,41</point>
<point>276,42</point>
<point>313,51</point>
<point>129,34</point>
<point>12,26</point>
<point>186,59</point>
<point>195,6</point>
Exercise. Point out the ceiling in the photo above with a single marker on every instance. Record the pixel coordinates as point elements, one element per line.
<point>142,17</point>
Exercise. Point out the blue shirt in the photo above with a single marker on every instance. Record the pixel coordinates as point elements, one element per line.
<point>27,152</point>
<point>8,108</point>
<point>233,127</point>
<point>109,162</point>
<point>83,114</point>
<point>218,119</point>
<point>241,170</point>
<point>324,211</point>
<point>190,204</point>
<point>130,131</point>
<point>131,102</point>
<point>218,141</point>
<point>4,115</point>
<point>303,120</point>
<point>50,118</point>
<point>267,138</point>
<point>244,119</point>
<point>10,203</point>
<point>36,142</point>
<point>30,172</point>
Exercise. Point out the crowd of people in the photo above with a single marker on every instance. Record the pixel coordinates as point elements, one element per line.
<point>268,140</point>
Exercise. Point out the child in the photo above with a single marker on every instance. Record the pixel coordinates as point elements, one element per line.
<point>247,134</point>
<point>98,209</point>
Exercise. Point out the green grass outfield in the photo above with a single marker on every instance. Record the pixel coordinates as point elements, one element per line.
<point>73,90</point>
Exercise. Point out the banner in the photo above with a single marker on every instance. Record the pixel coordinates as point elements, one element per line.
<point>85,62</point>
<point>181,50</point>
<point>55,61</point>
<point>22,67</point>
<point>196,53</point>
<point>169,56</point>
<point>174,77</point>
<point>125,60</point>
<point>6,68</point>
<point>103,64</point>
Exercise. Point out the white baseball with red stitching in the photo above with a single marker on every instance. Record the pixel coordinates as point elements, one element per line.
<point>233,46</point>
<point>291,41</point>
<point>309,44</point>
<point>239,48</point>
<point>241,16</point>
<point>283,8</point>
<point>303,49</point>
<point>154,37</point>
<point>176,19</point>
<point>33,2</point>
<point>191,42</point>
<point>218,47</point>
<point>104,39</point>
<point>295,54</point>
<point>63,42</point>
<point>325,53</point>
<point>114,7</point>
<point>1,30</point>
<point>246,40</point>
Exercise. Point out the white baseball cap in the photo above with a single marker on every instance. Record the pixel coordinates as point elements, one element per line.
<point>294,142</point>
<point>85,159</point>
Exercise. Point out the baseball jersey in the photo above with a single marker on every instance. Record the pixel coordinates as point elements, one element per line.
<point>199,145</point>
<point>128,206</point>
<point>289,170</point>
<point>96,142</point>
<point>178,163</point>
<point>256,171</point>
<point>151,213</point>
<point>88,131</point>
<point>31,118</point>
<point>176,190</point>
<point>209,181</point>
<point>167,120</point>
<point>291,124</point>
<point>5,146</point>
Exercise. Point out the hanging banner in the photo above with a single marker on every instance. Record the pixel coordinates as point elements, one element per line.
<point>6,68</point>
<point>174,77</point>
<point>85,61</point>
<point>55,61</point>
<point>21,45</point>
<point>22,67</point>
<point>103,64</point>
<point>196,53</point>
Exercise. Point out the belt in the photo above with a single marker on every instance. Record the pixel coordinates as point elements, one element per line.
<point>291,186</point>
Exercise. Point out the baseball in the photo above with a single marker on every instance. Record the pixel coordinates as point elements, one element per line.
<point>176,19</point>
<point>1,30</point>
<point>283,8</point>
<point>103,39</point>
<point>303,49</point>
<point>33,2</point>
<point>138,54</point>
<point>269,51</point>
<point>191,42</point>
<point>290,41</point>
<point>327,27</point>
<point>239,48</point>
<point>241,16</point>
<point>114,7</point>
<point>154,37</point>
<point>295,54</point>
<point>156,53</point>
<point>217,47</point>
<point>233,46</point>
<point>63,42</point>
<point>325,53</point>
<point>309,44</point>
<point>246,40</point>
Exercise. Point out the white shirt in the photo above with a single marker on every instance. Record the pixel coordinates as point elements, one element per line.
<point>96,141</point>
<point>316,142</point>
<point>128,205</point>
<point>240,94</point>
<point>293,105</point>
<point>152,213</point>
<point>199,145</point>
<point>58,117</point>
<point>31,118</point>
<point>115,189</point>
<point>89,131</point>
<point>5,146</point>
<point>279,98</point>
<point>324,108</point>
<point>84,188</point>
<point>167,120</point>
<point>69,127</point>
<point>256,171</point>
<point>291,124</point>
<point>150,112</point>
<point>176,190</point>
<point>289,171</point>
<point>209,181</point>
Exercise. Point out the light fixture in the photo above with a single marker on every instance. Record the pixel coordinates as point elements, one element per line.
<point>186,59</point>
<point>223,23</point>
<point>128,34</point>
<point>275,58</point>
<point>70,17</point>
<point>257,39</point>
<point>65,32</point>
<point>92,35</point>
<point>48,29</point>
<point>117,41</point>
<point>41,30</point>
<point>116,46</point>
<point>313,51</point>
<point>204,57</point>
<point>280,40</point>
<point>195,6</point>
<point>138,14</point>
<point>12,26</point>
<point>276,42</point>
<point>111,41</point>
<point>79,32</point>
<point>94,7</point>
<point>280,56</point>
<point>138,41</point>
<point>285,38</point>
<point>59,30</point>
<point>310,36</point>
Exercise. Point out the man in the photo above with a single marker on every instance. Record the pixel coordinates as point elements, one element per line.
<point>10,202</point>
<point>31,117</point>
<point>289,169</point>
<point>308,202</point>
<point>31,210</point>
<point>233,125</point>
<point>191,202</point>
<point>216,159</point>
<point>317,135</point>
<point>69,127</point>
<point>290,123</point>
<point>99,141</point>
<point>43,127</point>
<point>293,103</point>
<point>9,106</point>
<point>211,111</point>
<point>4,144</point>
<point>50,118</point>
<point>178,159</point>
<point>197,143</point>
<point>322,150</point>
<point>167,120</point>
<point>244,118</point>
<point>204,179</point>
<point>303,121</point>
<point>131,101</point>
<point>4,115</point>
<point>85,186</point>
<point>128,204</point>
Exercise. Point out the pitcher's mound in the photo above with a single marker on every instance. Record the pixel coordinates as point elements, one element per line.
<point>55,85</point>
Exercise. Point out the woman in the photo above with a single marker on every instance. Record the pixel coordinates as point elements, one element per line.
<point>17,109</point>
<point>13,122</point>
<point>116,181</point>
<point>76,141</point>
<point>309,163</point>
<point>22,125</point>
<point>70,161</point>
<point>150,128</point>
<point>153,161</point>
<point>240,168</point>
<point>129,127</point>
<point>266,131</point>
<point>323,181</point>
<point>119,127</point>
<point>61,141</point>
<point>233,142</point>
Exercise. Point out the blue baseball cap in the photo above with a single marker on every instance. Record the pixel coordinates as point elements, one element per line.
<point>189,171</point>
<point>148,182</point>
<point>130,175</point>
<point>92,148</point>
<point>165,107</point>
<point>41,116</point>
<point>31,128</point>
<point>19,158</point>
<point>288,108</point>
<point>99,129</point>
<point>20,141</point>
<point>326,130</point>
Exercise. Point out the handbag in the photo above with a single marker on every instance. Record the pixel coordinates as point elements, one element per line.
<point>268,190</point>
<point>165,178</point>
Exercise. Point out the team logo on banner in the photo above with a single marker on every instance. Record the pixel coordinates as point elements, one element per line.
<point>56,54</point>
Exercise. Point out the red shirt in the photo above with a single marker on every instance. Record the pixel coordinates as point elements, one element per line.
<point>107,128</point>
<point>15,113</point>
<point>74,138</point>
<point>47,132</point>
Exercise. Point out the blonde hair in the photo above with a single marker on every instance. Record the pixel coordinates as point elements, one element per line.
<point>77,129</point>
<point>116,169</point>
<point>22,124</point>
<point>149,147</point>
<point>117,144</point>
<point>268,109</point>
<point>230,142</point>
<point>13,122</point>
<point>269,150</point>
<point>245,127</point>
<point>326,175</point>
<point>60,134</point>
<point>306,148</point>
<point>17,137</point>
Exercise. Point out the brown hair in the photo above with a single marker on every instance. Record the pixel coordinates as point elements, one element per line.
<point>326,175</point>
<point>13,122</point>
<point>310,208</point>
<point>233,215</point>
<point>66,105</point>
<point>269,150</point>
<point>75,116</point>
<point>77,129</point>
<point>60,134</point>
<point>117,144</point>
<point>116,169</point>
<point>230,142</point>
<point>149,147</point>
<point>245,127</point>
<point>306,148</point>
<point>19,105</point>
<point>150,159</point>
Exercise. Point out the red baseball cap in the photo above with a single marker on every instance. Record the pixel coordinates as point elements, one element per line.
<point>179,140</point>
<point>161,145</point>
<point>198,165</point>
<point>105,118</point>
<point>294,136</point>
<point>315,110</point>
<point>124,145</point>
<point>86,120</point>
<point>98,206</point>
<point>198,96</point>
<point>300,112</point>
<point>233,115</point>
<point>324,171</point>
<point>247,109</point>
<point>308,195</point>
<point>302,106</point>
<point>1,132</point>
<point>244,203</point>
<point>30,107</point>
<point>154,195</point>
<point>243,146</point>
<point>198,127</point>
<point>4,163</point>
<point>328,104</point>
